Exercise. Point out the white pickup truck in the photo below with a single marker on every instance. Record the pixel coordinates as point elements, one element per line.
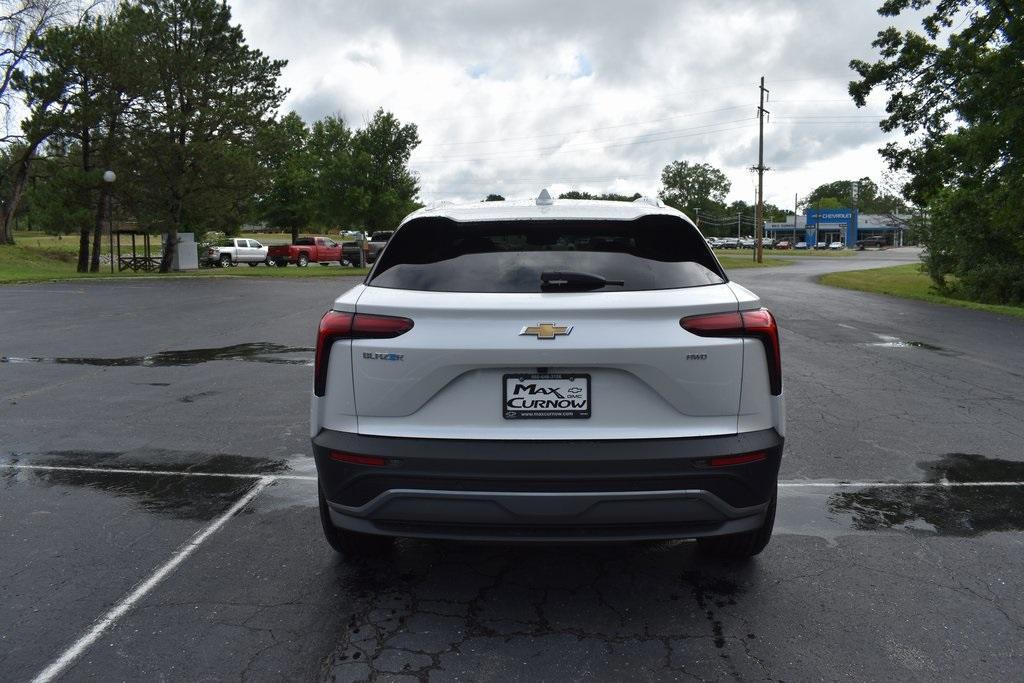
<point>232,251</point>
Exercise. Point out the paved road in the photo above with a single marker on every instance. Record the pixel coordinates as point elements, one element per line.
<point>895,579</point>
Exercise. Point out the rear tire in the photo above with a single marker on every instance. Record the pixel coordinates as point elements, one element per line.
<point>282,263</point>
<point>351,544</point>
<point>741,546</point>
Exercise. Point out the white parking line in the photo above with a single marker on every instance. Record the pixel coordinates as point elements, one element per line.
<point>126,603</point>
<point>794,484</point>
<point>893,484</point>
<point>261,482</point>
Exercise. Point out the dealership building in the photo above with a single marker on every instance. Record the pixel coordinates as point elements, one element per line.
<point>839,225</point>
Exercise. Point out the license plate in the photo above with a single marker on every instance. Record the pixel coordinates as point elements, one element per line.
<point>545,396</point>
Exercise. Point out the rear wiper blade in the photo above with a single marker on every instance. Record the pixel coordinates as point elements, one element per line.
<point>572,280</point>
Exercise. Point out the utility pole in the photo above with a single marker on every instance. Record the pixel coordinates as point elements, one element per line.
<point>791,244</point>
<point>739,216</point>
<point>759,219</point>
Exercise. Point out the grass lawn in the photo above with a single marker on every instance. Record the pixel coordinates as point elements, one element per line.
<point>909,282</point>
<point>40,258</point>
<point>745,259</point>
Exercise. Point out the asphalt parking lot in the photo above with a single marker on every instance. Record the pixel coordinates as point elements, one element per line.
<point>158,509</point>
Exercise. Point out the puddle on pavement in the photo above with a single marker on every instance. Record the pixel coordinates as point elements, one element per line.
<point>183,497</point>
<point>908,344</point>
<point>196,498</point>
<point>156,459</point>
<point>256,352</point>
<point>889,342</point>
<point>946,511</point>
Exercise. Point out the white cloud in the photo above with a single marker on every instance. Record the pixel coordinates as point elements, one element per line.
<point>510,96</point>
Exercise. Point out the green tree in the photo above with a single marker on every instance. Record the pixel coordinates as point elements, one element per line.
<point>494,198</point>
<point>22,24</point>
<point>330,155</point>
<point>88,68</point>
<point>60,197</point>
<point>607,197</point>
<point>383,189</point>
<point>689,187</point>
<point>956,93</point>
<point>864,194</point>
<point>207,95</point>
<point>284,151</point>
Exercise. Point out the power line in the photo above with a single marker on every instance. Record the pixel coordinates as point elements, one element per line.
<point>661,96</point>
<point>586,130</point>
<point>632,140</point>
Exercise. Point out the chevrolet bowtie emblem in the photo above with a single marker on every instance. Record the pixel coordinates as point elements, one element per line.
<point>545,330</point>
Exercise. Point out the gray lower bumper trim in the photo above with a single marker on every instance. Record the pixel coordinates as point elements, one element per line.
<point>604,514</point>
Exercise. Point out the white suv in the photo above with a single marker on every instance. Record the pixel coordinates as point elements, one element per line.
<point>548,370</point>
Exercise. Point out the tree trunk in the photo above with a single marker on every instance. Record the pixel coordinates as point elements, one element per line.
<point>97,230</point>
<point>18,185</point>
<point>172,230</point>
<point>295,234</point>
<point>83,250</point>
<point>83,233</point>
<point>169,244</point>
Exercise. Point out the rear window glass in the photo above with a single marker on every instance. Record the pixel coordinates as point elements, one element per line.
<point>442,255</point>
<point>304,242</point>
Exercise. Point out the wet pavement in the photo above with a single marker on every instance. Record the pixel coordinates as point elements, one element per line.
<point>123,437</point>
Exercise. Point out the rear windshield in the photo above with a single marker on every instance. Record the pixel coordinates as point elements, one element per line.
<point>304,242</point>
<point>442,255</point>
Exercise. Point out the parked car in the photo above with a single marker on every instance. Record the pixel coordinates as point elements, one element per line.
<point>604,431</point>
<point>306,250</point>
<point>800,245</point>
<point>746,243</point>
<point>836,245</point>
<point>232,251</point>
<point>378,240</point>
<point>350,251</point>
<point>728,243</point>
<point>784,244</point>
<point>876,242</point>
<point>821,245</point>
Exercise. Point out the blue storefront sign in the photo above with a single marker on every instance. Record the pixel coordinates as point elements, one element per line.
<point>818,218</point>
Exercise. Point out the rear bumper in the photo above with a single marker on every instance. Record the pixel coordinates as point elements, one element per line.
<point>548,490</point>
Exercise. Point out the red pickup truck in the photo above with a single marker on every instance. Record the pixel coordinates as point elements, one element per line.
<point>306,250</point>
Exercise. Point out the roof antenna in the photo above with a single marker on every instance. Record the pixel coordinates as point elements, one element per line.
<point>544,198</point>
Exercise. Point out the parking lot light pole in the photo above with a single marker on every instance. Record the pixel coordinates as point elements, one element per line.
<point>109,177</point>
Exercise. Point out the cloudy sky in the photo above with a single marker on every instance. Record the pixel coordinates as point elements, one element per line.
<point>510,97</point>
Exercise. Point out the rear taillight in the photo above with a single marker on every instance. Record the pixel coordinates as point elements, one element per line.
<point>337,325</point>
<point>356,459</point>
<point>742,459</point>
<point>758,324</point>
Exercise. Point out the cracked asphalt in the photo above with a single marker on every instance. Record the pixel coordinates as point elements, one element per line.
<point>910,571</point>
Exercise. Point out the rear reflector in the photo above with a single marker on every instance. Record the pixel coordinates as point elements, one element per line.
<point>337,325</point>
<point>744,459</point>
<point>355,459</point>
<point>757,324</point>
